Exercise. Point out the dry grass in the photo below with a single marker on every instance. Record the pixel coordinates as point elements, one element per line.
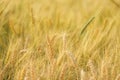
<point>59,40</point>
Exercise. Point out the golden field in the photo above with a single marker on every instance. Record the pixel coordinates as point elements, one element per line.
<point>59,40</point>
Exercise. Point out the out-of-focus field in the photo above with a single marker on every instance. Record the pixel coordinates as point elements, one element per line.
<point>59,40</point>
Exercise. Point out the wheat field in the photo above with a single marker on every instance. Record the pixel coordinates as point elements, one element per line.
<point>59,40</point>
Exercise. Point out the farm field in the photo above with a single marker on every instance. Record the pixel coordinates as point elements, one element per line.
<point>59,39</point>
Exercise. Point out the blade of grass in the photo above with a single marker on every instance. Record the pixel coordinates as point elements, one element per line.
<point>86,25</point>
<point>90,20</point>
